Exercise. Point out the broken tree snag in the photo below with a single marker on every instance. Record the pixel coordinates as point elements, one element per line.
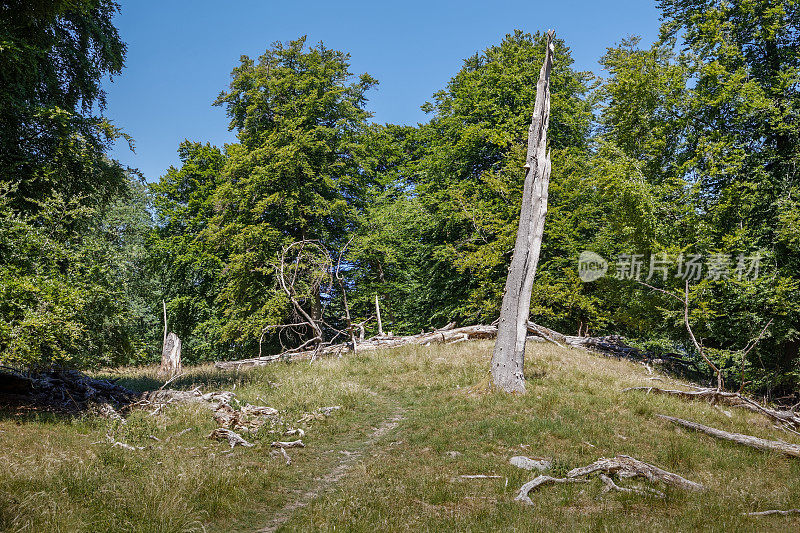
<point>171,356</point>
<point>512,330</point>
<point>792,450</point>
<point>378,316</point>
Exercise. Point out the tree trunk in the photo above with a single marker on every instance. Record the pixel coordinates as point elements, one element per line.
<point>509,350</point>
<point>171,356</point>
<point>378,315</point>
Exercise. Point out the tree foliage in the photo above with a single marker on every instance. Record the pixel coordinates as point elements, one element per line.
<point>689,145</point>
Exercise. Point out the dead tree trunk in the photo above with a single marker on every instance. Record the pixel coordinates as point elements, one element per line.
<point>509,349</point>
<point>171,356</point>
<point>378,316</point>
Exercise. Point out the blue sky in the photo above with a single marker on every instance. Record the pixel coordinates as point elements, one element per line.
<point>181,52</point>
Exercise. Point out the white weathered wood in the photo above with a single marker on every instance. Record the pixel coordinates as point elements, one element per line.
<point>609,486</point>
<point>293,444</point>
<point>171,356</point>
<point>791,450</point>
<point>233,438</point>
<point>509,353</point>
<point>787,419</point>
<point>378,316</point>
<point>623,466</point>
<point>626,466</point>
<point>538,481</point>
<point>787,512</point>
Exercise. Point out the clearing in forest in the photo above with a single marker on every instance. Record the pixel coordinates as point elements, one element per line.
<point>413,422</point>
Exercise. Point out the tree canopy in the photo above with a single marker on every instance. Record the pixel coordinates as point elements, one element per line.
<point>680,163</point>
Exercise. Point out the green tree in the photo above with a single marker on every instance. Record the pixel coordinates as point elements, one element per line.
<point>53,56</point>
<point>294,175</point>
<point>186,266</point>
<point>71,283</point>
<point>741,153</point>
<point>72,220</point>
<point>470,176</point>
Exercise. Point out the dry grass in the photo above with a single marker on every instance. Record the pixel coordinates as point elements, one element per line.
<point>60,474</point>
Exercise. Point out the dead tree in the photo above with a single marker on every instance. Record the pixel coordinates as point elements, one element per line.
<point>170,351</point>
<point>378,315</point>
<point>305,271</point>
<point>171,357</point>
<point>698,345</point>
<point>509,350</point>
<point>318,271</point>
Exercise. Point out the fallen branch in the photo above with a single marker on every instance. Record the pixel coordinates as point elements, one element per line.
<point>293,444</point>
<point>232,437</point>
<point>609,486</point>
<point>285,456</point>
<point>538,482</point>
<point>627,467</point>
<point>623,466</point>
<point>792,450</point>
<point>788,512</point>
<point>733,399</point>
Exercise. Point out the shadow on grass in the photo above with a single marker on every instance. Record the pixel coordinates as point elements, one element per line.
<point>208,379</point>
<point>55,404</point>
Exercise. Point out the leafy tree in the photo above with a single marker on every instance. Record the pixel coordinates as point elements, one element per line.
<point>294,174</point>
<point>71,288</point>
<point>70,243</point>
<point>188,269</point>
<point>470,176</point>
<point>741,155</point>
<point>53,56</point>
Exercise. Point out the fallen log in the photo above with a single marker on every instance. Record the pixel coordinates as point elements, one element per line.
<point>732,399</point>
<point>443,336</point>
<point>791,450</point>
<point>62,390</point>
<point>611,346</point>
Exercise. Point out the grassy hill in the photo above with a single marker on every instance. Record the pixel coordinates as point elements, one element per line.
<point>413,421</point>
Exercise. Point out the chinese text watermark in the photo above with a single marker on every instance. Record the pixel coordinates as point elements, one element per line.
<point>689,267</point>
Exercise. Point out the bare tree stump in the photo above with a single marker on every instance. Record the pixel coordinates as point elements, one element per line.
<point>171,356</point>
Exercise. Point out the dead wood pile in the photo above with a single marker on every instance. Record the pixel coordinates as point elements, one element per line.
<point>61,390</point>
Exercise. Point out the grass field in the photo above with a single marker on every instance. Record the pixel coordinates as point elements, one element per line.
<point>61,474</point>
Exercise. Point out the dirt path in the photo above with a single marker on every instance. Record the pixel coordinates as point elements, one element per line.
<point>331,478</point>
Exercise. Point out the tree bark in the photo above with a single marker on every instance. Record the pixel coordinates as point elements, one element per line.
<point>171,356</point>
<point>509,351</point>
<point>378,316</point>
